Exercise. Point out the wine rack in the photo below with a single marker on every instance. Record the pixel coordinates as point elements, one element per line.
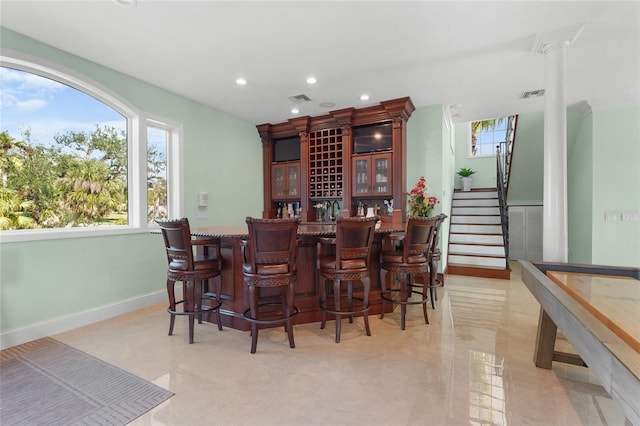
<point>325,164</point>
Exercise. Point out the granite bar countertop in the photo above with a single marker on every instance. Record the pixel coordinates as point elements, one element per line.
<point>321,229</point>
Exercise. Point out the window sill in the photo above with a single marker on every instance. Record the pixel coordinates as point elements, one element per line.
<point>59,234</point>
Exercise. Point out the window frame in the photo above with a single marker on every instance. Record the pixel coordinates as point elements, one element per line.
<point>470,140</point>
<point>137,123</point>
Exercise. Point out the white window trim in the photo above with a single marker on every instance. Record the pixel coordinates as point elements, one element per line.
<point>174,167</point>
<point>137,156</point>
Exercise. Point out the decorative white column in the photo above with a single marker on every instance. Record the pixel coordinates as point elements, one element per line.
<point>554,235</point>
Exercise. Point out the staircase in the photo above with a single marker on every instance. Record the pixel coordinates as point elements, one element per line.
<point>476,244</point>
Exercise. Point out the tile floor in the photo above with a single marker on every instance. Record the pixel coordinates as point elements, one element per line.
<point>471,366</point>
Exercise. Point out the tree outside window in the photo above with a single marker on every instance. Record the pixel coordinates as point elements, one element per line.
<point>64,158</point>
<point>486,135</point>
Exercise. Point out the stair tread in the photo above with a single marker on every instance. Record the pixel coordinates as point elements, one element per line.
<point>478,244</point>
<point>480,234</point>
<point>491,256</point>
<point>462,265</point>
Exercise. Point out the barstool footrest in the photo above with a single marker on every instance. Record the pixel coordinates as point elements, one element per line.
<point>329,311</point>
<point>247,318</point>
<point>400,302</point>
<point>204,309</point>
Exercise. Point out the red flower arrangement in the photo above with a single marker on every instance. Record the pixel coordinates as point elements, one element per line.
<point>421,204</point>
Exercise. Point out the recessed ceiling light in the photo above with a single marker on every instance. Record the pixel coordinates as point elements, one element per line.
<point>125,3</point>
<point>327,104</point>
<point>311,80</point>
<point>295,111</point>
<point>364,97</point>
<point>241,81</point>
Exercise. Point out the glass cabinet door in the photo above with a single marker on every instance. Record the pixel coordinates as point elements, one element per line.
<point>361,175</point>
<point>293,182</point>
<point>277,181</point>
<point>285,181</point>
<point>372,175</point>
<point>381,174</point>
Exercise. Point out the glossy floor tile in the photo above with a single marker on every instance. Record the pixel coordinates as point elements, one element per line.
<point>471,366</point>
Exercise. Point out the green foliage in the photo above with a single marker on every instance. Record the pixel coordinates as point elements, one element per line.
<point>465,172</point>
<point>80,180</point>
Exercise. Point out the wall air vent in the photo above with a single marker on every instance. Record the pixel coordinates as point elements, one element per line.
<point>533,94</point>
<point>299,99</point>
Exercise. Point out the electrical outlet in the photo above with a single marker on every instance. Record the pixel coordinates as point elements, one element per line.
<point>630,216</point>
<point>203,215</point>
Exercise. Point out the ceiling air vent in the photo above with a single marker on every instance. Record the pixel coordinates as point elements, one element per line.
<point>299,99</point>
<point>533,94</point>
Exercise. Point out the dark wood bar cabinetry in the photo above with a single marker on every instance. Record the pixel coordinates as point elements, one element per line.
<point>235,296</point>
<point>346,159</point>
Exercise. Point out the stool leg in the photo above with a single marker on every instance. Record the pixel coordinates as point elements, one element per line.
<point>425,278</point>
<point>171,293</point>
<point>289,324</point>
<point>336,298</point>
<point>189,306</point>
<point>323,301</point>
<point>218,288</point>
<point>405,285</point>
<point>350,299</point>
<point>383,289</point>
<point>433,272</point>
<point>253,305</point>
<point>366,284</point>
<point>198,290</point>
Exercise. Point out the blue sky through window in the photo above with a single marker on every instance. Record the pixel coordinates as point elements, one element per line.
<point>47,107</point>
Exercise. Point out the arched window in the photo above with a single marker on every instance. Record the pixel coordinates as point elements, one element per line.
<point>76,159</point>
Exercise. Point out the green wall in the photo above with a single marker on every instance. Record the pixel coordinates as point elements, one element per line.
<point>43,280</point>
<point>429,154</point>
<point>580,189</point>
<point>484,167</point>
<point>527,167</point>
<point>603,174</point>
<point>616,180</point>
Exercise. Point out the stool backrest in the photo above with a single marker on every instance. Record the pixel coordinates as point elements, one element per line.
<point>177,241</point>
<point>436,233</point>
<point>272,245</point>
<point>354,237</point>
<point>418,237</point>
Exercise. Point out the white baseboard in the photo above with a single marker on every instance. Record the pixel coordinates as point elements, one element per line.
<point>53,326</point>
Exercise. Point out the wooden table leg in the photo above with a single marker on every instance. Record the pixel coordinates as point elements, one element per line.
<point>545,341</point>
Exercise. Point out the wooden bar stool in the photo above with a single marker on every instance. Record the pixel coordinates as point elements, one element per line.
<point>269,262</point>
<point>194,270</point>
<point>347,260</point>
<point>405,261</point>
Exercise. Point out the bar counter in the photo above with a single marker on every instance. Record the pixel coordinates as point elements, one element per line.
<point>235,299</point>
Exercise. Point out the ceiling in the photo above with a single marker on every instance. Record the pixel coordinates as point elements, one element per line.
<point>477,55</point>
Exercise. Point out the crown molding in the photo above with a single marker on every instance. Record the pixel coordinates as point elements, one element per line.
<point>563,37</point>
<point>621,101</point>
<point>583,107</point>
